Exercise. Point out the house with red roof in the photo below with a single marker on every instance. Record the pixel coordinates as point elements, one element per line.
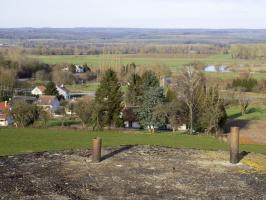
<point>5,117</point>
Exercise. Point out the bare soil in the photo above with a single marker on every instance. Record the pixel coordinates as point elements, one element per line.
<point>252,131</point>
<point>132,172</point>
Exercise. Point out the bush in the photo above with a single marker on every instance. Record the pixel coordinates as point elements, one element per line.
<point>245,85</point>
<point>24,114</point>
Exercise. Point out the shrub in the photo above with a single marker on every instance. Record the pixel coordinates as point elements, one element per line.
<point>245,85</point>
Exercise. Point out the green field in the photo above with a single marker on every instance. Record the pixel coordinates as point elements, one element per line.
<point>233,75</point>
<point>254,112</point>
<point>94,60</point>
<point>174,62</point>
<point>171,61</point>
<point>17,141</point>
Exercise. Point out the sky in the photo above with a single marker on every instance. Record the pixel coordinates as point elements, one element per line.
<point>133,13</point>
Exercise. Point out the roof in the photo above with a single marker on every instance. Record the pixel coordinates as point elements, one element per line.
<point>46,100</point>
<point>63,88</point>
<point>41,88</point>
<point>4,105</point>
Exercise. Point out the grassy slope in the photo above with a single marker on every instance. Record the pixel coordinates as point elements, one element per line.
<point>256,112</point>
<point>16,141</point>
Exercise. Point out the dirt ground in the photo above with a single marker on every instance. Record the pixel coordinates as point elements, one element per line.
<point>132,172</point>
<point>250,130</point>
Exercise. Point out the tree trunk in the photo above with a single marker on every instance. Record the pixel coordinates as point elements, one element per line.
<point>191,120</point>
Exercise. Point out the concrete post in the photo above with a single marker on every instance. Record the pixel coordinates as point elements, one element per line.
<point>96,149</point>
<point>234,145</point>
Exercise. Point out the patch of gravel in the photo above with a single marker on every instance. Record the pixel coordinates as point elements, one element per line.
<point>138,172</point>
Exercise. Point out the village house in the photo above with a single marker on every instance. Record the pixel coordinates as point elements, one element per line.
<point>63,91</point>
<point>5,117</point>
<point>80,69</point>
<point>50,103</point>
<point>130,118</point>
<point>38,90</point>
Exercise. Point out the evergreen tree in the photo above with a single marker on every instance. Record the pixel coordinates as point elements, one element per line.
<point>51,89</point>
<point>134,90</point>
<point>108,99</point>
<point>146,113</point>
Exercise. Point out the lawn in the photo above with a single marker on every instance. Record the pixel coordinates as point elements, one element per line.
<point>88,87</point>
<point>254,112</point>
<point>17,141</point>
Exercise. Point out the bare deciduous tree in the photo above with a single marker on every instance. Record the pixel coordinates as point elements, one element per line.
<point>189,89</point>
<point>243,103</point>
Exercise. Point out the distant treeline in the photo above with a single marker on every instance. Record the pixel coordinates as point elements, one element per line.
<point>248,51</point>
<point>54,48</point>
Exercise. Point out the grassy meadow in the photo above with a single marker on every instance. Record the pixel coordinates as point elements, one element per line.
<point>254,112</point>
<point>17,141</point>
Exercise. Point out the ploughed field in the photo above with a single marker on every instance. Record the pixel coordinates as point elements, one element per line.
<point>132,172</point>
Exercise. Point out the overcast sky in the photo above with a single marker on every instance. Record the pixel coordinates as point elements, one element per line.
<point>134,13</point>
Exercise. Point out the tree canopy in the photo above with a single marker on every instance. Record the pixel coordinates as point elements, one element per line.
<point>51,89</point>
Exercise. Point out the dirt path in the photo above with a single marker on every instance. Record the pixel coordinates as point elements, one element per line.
<point>139,172</point>
<point>252,129</point>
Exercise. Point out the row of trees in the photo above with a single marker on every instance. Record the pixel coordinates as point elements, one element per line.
<point>128,48</point>
<point>248,51</point>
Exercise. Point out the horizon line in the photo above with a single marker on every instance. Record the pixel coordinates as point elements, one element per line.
<point>107,27</point>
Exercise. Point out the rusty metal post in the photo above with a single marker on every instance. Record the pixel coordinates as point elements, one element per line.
<point>234,145</point>
<point>96,149</point>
